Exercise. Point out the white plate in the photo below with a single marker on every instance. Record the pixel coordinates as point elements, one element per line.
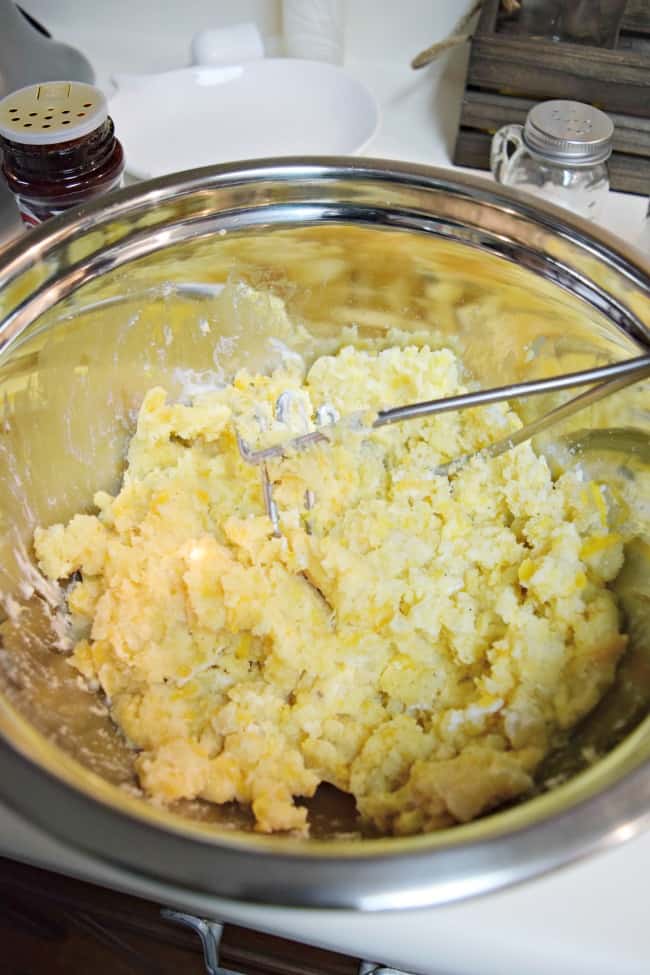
<point>204,115</point>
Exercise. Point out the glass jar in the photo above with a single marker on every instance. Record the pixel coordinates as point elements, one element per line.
<point>58,147</point>
<point>560,154</point>
<point>593,22</point>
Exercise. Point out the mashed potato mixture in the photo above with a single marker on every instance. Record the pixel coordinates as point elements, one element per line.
<point>416,640</point>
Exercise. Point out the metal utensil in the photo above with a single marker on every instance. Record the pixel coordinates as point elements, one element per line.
<point>625,373</point>
<point>615,376</point>
<point>556,415</point>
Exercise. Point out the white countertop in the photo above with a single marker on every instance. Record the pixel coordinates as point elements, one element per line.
<point>588,919</point>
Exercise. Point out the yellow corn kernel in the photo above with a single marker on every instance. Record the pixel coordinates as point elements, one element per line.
<point>382,616</point>
<point>409,483</point>
<point>403,661</point>
<point>486,700</point>
<point>580,581</point>
<point>82,659</point>
<point>599,501</point>
<point>102,653</point>
<point>159,498</point>
<point>243,649</point>
<point>598,543</point>
<point>526,570</point>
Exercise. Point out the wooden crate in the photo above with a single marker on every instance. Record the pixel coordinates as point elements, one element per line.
<point>508,73</point>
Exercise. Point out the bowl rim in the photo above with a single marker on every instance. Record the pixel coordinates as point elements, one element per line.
<point>433,870</point>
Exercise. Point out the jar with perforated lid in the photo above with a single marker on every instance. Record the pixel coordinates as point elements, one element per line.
<point>560,153</point>
<point>59,147</point>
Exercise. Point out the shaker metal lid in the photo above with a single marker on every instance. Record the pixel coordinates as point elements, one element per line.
<point>571,132</point>
<point>52,112</point>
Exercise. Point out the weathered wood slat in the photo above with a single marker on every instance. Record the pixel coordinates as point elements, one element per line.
<point>487,21</point>
<point>628,174</point>
<point>637,17</point>
<point>637,43</point>
<point>616,81</point>
<point>488,111</point>
<point>509,72</point>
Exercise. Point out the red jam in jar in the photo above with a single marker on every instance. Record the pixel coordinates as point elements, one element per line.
<point>58,147</point>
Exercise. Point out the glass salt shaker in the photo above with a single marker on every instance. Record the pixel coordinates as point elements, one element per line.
<point>560,154</point>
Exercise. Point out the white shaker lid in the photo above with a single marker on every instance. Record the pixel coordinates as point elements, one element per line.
<point>52,112</point>
<point>569,132</point>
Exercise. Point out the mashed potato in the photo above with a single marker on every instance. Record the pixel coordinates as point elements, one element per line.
<point>414,639</point>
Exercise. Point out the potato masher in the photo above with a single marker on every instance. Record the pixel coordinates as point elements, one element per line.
<point>604,380</point>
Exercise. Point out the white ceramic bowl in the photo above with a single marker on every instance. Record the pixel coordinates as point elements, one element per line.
<point>204,115</point>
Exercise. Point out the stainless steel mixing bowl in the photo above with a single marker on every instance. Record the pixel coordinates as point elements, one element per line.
<point>97,307</point>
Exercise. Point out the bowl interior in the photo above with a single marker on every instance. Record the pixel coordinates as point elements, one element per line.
<point>72,380</point>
